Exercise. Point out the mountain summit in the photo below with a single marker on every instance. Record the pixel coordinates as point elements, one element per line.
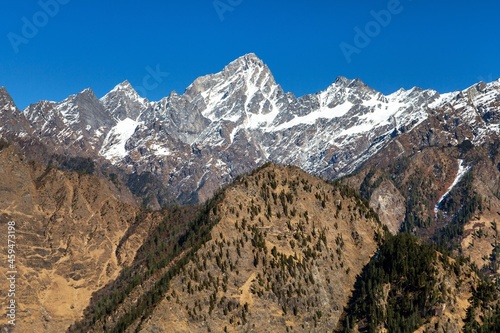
<point>123,102</point>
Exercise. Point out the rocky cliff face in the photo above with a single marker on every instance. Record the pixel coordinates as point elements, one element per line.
<point>12,122</point>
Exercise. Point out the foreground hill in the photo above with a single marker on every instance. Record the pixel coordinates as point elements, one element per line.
<point>410,287</point>
<point>278,250</point>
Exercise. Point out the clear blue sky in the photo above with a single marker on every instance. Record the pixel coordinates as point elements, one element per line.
<point>445,45</point>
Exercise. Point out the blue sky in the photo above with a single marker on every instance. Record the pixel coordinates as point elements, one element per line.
<point>75,44</point>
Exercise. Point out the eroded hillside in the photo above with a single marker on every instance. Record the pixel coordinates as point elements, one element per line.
<point>69,234</point>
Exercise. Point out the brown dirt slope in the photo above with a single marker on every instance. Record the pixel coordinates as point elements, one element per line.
<point>69,230</point>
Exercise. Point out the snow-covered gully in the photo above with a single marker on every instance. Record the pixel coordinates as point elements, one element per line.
<point>462,170</point>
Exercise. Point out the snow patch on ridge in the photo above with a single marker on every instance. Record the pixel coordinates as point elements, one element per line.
<point>443,99</point>
<point>159,150</point>
<point>114,144</point>
<point>322,113</point>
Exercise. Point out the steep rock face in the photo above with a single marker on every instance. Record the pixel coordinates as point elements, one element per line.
<point>12,122</point>
<point>70,240</point>
<point>76,125</point>
<point>124,102</point>
<point>480,238</point>
<point>389,204</point>
<point>473,114</point>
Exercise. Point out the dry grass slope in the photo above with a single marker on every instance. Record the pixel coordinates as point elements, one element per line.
<point>283,257</point>
<point>69,230</point>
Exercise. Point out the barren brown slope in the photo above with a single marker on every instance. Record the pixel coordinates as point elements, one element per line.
<point>68,233</point>
<point>283,257</point>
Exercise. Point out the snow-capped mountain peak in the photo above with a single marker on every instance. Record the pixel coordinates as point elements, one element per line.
<point>244,63</point>
<point>342,81</point>
<point>12,122</point>
<point>123,89</point>
<point>125,85</point>
<point>6,101</point>
<point>123,102</point>
<point>244,92</point>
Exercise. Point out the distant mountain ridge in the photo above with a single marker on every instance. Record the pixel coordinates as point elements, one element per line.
<point>228,123</point>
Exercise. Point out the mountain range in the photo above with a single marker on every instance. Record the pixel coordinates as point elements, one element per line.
<point>120,201</point>
<point>228,123</point>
